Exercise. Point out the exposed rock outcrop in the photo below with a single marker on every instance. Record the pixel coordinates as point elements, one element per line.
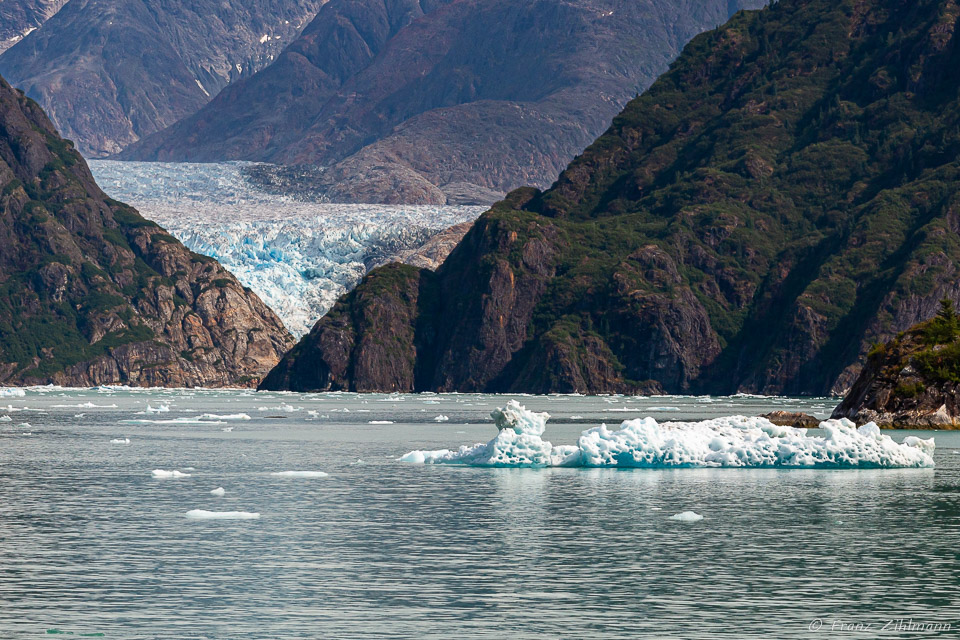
<point>19,18</point>
<point>92,293</point>
<point>108,72</point>
<point>911,382</point>
<point>785,196</point>
<point>442,101</point>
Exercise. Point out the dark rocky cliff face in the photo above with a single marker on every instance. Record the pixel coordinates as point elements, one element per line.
<point>111,71</point>
<point>442,101</point>
<point>911,382</point>
<point>92,293</point>
<point>787,195</point>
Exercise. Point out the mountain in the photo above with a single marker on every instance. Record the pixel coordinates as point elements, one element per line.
<point>111,71</point>
<point>92,293</point>
<point>912,381</point>
<point>436,101</point>
<point>19,18</point>
<point>785,196</point>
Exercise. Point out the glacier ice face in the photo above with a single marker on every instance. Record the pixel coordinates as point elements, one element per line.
<point>299,256</point>
<point>736,441</point>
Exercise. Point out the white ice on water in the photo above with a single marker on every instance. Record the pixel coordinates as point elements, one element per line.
<point>227,416</point>
<point>203,514</point>
<point>735,441</point>
<point>163,473</point>
<point>12,392</point>
<point>219,491</point>
<point>300,474</point>
<point>299,256</point>
<point>687,516</point>
<point>121,441</point>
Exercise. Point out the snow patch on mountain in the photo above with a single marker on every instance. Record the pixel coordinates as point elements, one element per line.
<point>298,255</point>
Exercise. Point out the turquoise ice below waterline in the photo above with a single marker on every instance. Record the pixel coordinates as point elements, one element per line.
<point>736,441</point>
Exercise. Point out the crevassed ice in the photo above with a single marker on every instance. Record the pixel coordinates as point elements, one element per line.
<point>298,256</point>
<point>736,441</point>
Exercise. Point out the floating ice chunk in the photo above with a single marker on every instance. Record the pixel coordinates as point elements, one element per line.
<point>441,418</point>
<point>358,462</point>
<point>516,418</point>
<point>687,516</point>
<point>576,417</point>
<point>162,473</point>
<point>85,405</point>
<point>300,474</point>
<point>663,409</point>
<point>172,421</point>
<point>735,441</point>
<point>121,441</point>
<point>228,416</point>
<point>12,392</point>
<point>24,425</point>
<point>227,429</point>
<point>219,491</point>
<point>380,422</point>
<point>6,419</point>
<point>163,408</point>
<point>202,514</point>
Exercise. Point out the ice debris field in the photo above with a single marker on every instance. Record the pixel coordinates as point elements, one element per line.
<point>736,441</point>
<point>298,256</point>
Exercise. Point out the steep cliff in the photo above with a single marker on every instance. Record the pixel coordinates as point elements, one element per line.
<point>444,100</point>
<point>111,71</point>
<point>913,381</point>
<point>92,293</point>
<point>19,18</point>
<point>785,196</point>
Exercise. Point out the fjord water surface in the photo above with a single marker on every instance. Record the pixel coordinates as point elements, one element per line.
<point>92,542</point>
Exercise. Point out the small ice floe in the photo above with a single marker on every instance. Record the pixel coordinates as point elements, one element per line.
<point>163,408</point>
<point>24,425</point>
<point>26,433</point>
<point>6,419</point>
<point>12,392</point>
<point>441,418</point>
<point>196,421</point>
<point>203,514</point>
<point>219,491</point>
<point>85,405</point>
<point>300,474</point>
<point>358,462</point>
<point>687,516</point>
<point>120,441</point>
<point>576,417</point>
<point>663,408</point>
<point>227,416</point>
<point>380,422</point>
<point>227,429</point>
<point>163,473</point>
<point>79,415</point>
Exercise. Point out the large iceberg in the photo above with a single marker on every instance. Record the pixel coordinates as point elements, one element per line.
<point>298,255</point>
<point>736,441</point>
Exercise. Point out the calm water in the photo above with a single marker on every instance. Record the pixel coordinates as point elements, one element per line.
<point>90,542</point>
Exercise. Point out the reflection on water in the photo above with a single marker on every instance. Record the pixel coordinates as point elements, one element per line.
<point>91,542</point>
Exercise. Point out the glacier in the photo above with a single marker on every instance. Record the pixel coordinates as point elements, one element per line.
<point>298,254</point>
<point>735,441</point>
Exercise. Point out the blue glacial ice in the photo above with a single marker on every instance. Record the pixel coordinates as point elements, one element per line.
<point>735,441</point>
<point>299,256</point>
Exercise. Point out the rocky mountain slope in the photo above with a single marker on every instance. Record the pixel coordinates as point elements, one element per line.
<point>786,196</point>
<point>18,18</point>
<point>111,71</point>
<point>92,293</point>
<point>913,381</point>
<point>436,101</point>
